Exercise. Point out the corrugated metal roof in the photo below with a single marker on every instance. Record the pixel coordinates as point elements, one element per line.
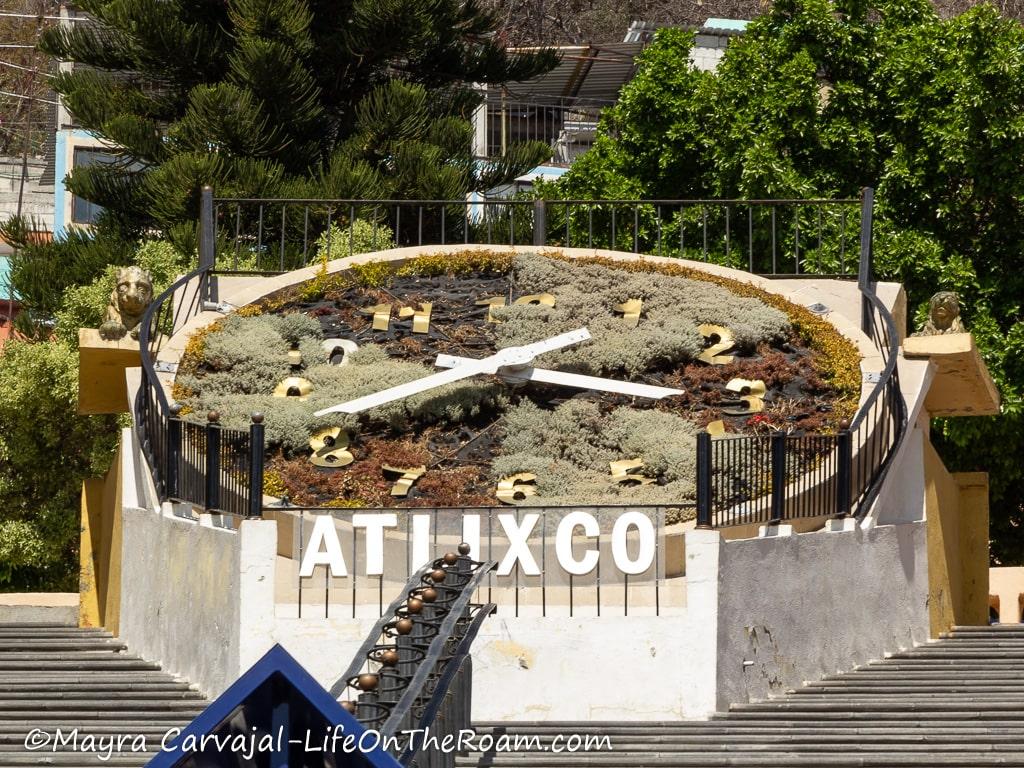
<point>585,72</point>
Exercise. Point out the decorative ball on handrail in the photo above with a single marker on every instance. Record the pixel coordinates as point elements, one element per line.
<point>428,595</point>
<point>367,681</point>
<point>450,558</point>
<point>844,425</point>
<point>403,626</point>
<point>349,706</point>
<point>438,575</point>
<point>213,417</point>
<point>257,418</point>
<point>389,658</point>
<point>175,408</point>
<point>414,605</point>
<point>464,548</point>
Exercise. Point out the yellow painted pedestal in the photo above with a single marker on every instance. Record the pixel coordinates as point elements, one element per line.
<point>101,367</point>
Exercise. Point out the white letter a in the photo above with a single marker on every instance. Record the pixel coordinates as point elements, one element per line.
<point>326,535</point>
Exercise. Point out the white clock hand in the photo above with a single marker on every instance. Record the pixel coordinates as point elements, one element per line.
<point>572,380</point>
<point>511,357</point>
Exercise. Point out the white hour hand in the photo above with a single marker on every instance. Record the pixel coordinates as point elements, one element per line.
<point>571,379</point>
<point>514,358</point>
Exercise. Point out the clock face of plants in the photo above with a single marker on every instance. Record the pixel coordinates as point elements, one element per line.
<point>737,361</point>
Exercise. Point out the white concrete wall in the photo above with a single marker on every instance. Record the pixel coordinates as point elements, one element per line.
<point>607,668</point>
<point>180,596</point>
<point>803,606</point>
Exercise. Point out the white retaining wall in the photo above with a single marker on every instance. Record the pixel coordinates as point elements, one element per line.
<point>795,608</point>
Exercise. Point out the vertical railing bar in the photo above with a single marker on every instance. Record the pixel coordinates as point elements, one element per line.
<point>305,234</point>
<point>259,236</point>
<point>284,226</point>
<point>796,237</point>
<point>750,238</point>
<point>636,228</point>
<point>302,546</point>
<point>351,229</point>
<point>328,238</point>
<point>238,233</point>
<point>590,232</point>
<point>775,268</point>
<point>659,229</point>
<point>544,563</point>
<point>659,516</point>
<point>728,244</point>
<point>517,570</point>
<point>704,224</point>
<point>444,209</point>
<point>352,573</point>
<point>820,225</point>
<point>842,243</point>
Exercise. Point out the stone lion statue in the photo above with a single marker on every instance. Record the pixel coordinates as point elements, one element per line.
<point>943,315</point>
<point>128,301</point>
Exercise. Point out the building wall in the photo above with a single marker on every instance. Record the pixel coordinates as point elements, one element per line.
<point>1007,584</point>
<point>181,595</point>
<point>36,195</point>
<point>796,608</point>
<point>957,505</point>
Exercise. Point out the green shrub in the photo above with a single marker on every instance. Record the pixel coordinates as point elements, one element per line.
<point>46,450</point>
<point>569,449</point>
<point>587,294</point>
<point>258,365</point>
<point>360,237</point>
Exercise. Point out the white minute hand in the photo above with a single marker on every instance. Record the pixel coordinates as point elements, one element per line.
<point>510,357</point>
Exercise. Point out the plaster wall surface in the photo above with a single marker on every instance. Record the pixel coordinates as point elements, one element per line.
<point>180,601</point>
<point>1007,583</point>
<point>807,605</point>
<point>47,607</point>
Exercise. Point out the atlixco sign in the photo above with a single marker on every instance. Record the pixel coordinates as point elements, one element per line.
<point>633,542</point>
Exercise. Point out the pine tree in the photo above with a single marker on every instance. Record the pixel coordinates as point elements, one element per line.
<point>286,98</point>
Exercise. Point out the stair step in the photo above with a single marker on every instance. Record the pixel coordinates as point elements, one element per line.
<point>58,677</point>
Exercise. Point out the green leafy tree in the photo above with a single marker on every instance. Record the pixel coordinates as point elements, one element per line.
<point>820,98</point>
<point>46,450</point>
<point>286,98</point>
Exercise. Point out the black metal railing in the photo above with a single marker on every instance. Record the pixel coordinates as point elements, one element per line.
<point>412,676</point>
<point>749,479</point>
<point>775,476</point>
<point>767,237</point>
<point>203,464</point>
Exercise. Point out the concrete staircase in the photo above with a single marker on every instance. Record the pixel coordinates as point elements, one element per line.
<point>955,702</point>
<point>54,676</point>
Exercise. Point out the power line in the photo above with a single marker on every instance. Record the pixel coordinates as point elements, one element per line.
<point>27,98</point>
<point>23,69</point>
<point>33,16</point>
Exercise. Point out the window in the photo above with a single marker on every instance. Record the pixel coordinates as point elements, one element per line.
<point>82,211</point>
